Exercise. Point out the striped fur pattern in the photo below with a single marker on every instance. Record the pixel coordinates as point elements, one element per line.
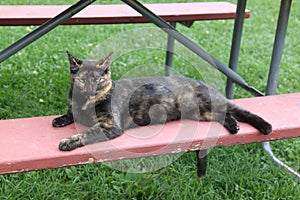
<point>109,107</point>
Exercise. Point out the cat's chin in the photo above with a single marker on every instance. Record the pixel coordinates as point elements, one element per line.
<point>90,102</point>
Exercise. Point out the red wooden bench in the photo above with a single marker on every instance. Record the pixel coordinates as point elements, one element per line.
<point>32,143</point>
<point>22,15</point>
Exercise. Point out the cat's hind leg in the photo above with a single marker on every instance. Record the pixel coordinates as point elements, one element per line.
<point>227,120</point>
<point>97,133</point>
<point>245,116</point>
<point>231,124</point>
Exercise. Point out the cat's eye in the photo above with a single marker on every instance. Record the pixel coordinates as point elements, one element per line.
<point>81,80</point>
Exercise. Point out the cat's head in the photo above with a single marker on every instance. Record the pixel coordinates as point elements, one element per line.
<point>90,77</point>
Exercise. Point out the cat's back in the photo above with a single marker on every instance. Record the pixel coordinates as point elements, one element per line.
<point>171,82</point>
<point>148,88</point>
<point>181,86</point>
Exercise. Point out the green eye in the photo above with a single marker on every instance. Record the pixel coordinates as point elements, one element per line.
<point>80,81</point>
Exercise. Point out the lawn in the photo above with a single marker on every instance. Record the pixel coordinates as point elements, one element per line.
<point>35,81</point>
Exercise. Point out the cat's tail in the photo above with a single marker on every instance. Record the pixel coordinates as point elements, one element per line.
<point>250,118</point>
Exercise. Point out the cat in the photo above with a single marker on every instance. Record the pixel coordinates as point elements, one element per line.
<point>109,107</point>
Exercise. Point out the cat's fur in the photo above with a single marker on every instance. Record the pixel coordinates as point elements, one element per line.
<point>109,107</point>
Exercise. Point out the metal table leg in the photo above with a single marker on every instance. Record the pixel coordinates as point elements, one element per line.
<point>282,23</point>
<point>169,53</point>
<point>235,45</point>
<point>43,29</point>
<point>274,71</point>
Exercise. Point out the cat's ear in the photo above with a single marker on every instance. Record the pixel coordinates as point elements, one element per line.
<point>105,63</point>
<point>75,63</point>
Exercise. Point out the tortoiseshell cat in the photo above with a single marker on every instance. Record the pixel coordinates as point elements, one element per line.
<point>109,107</point>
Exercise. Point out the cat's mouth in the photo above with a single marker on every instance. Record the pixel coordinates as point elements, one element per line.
<point>89,102</point>
<point>97,97</point>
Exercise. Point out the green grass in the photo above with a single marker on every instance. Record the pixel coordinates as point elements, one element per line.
<point>40,72</point>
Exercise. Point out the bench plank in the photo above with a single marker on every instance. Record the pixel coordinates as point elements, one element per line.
<point>32,143</point>
<point>115,14</point>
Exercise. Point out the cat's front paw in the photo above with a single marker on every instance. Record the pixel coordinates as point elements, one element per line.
<point>70,144</point>
<point>62,121</point>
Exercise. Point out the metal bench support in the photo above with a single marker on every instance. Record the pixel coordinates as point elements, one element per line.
<point>201,162</point>
<point>282,24</point>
